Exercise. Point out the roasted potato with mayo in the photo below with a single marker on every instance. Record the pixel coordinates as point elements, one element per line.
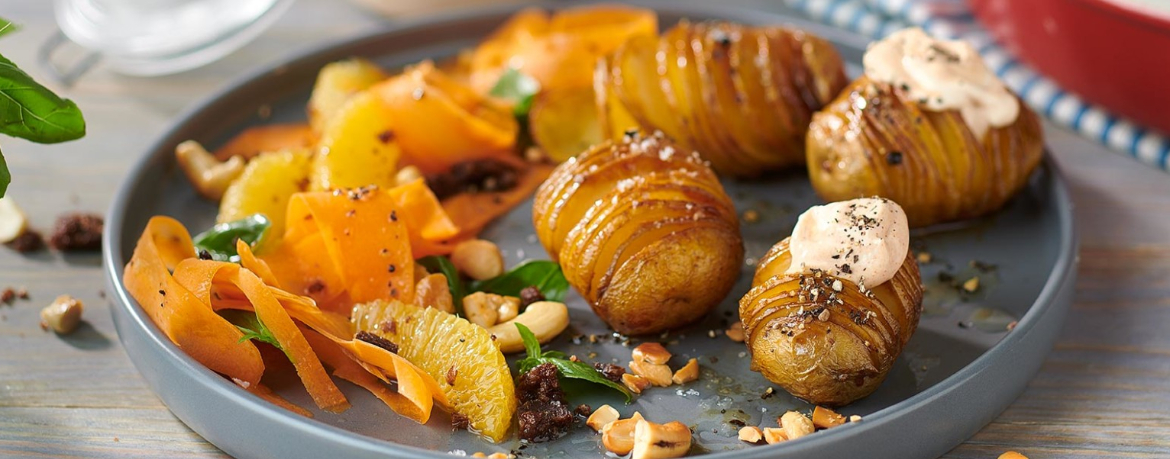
<point>742,96</point>
<point>817,329</point>
<point>643,230</point>
<point>924,136</point>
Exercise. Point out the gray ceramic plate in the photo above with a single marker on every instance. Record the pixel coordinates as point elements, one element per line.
<point>952,379</point>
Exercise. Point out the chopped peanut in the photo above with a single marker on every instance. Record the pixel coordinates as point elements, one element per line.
<point>773,435</point>
<point>658,375</point>
<point>796,425</point>
<point>483,309</point>
<point>432,291</point>
<point>825,418</point>
<point>735,332</point>
<point>687,373</point>
<point>478,259</point>
<point>1012,455</point>
<point>63,316</point>
<point>652,353</point>
<point>499,455</point>
<point>635,383</point>
<point>660,441</point>
<point>618,436</point>
<point>855,418</point>
<point>751,434</point>
<point>601,417</point>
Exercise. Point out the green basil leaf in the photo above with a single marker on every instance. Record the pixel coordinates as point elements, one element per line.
<point>439,264</point>
<point>7,27</point>
<point>31,111</point>
<point>220,240</point>
<point>567,368</point>
<point>518,88</point>
<point>5,176</point>
<point>253,328</point>
<point>545,275</point>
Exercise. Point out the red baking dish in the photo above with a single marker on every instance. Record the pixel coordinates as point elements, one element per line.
<point>1112,52</point>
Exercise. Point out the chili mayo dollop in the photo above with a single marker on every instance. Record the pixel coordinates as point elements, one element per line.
<point>942,75</point>
<point>862,240</point>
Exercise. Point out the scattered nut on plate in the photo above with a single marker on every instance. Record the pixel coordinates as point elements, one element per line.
<point>658,374</point>
<point>735,332</point>
<point>751,434</point>
<point>651,353</point>
<point>635,383</point>
<point>773,435</point>
<point>63,316</point>
<point>618,436</point>
<point>1012,455</point>
<point>824,418</point>
<point>13,223</point>
<point>209,176</point>
<point>660,441</point>
<point>796,425</point>
<point>687,373</point>
<point>478,259</point>
<point>601,417</point>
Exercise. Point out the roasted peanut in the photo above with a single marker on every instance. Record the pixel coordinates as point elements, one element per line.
<point>432,291</point>
<point>751,434</point>
<point>508,309</point>
<point>796,425</point>
<point>773,435</point>
<point>209,176</point>
<point>735,332</point>
<point>478,259</point>
<point>652,353</point>
<point>635,383</point>
<point>407,174</point>
<point>63,316</point>
<point>13,223</point>
<point>657,374</point>
<point>618,436</point>
<point>601,417</point>
<point>546,319</point>
<point>687,373</point>
<point>825,418</point>
<point>482,308</point>
<point>1012,455</point>
<point>660,441</point>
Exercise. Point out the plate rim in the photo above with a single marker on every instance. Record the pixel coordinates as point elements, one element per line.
<point>1046,304</point>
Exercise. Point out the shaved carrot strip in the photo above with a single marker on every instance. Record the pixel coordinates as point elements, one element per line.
<point>427,222</point>
<point>189,322</point>
<point>345,368</point>
<point>326,394</point>
<point>268,395</point>
<point>471,212</point>
<point>269,138</point>
<point>249,261</point>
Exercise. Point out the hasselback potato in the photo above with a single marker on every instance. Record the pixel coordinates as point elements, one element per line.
<point>742,96</point>
<point>643,230</point>
<point>822,336</point>
<point>876,138</point>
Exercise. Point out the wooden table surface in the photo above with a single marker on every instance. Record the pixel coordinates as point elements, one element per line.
<point>1103,392</point>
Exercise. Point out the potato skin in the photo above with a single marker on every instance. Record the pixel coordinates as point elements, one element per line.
<point>872,141</point>
<point>644,232</point>
<point>741,96</point>
<point>828,362</point>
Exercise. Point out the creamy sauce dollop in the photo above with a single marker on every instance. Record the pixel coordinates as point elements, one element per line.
<point>942,75</point>
<point>863,240</point>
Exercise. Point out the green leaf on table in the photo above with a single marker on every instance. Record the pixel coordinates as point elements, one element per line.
<point>31,111</point>
<point>7,27</point>
<point>220,240</point>
<point>438,264</point>
<point>545,275</point>
<point>567,368</point>
<point>253,328</point>
<point>518,88</point>
<point>5,176</point>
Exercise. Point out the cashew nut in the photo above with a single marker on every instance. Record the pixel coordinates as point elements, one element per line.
<point>601,417</point>
<point>687,373</point>
<point>660,441</point>
<point>13,223</point>
<point>657,374</point>
<point>796,425</point>
<point>546,319</point>
<point>478,259</point>
<point>432,291</point>
<point>209,176</point>
<point>773,435</point>
<point>407,174</point>
<point>652,353</point>
<point>735,332</point>
<point>63,315</point>
<point>618,436</point>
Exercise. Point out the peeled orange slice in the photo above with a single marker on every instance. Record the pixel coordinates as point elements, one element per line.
<point>461,356</point>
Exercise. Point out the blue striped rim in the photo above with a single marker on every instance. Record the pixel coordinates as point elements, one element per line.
<point>1027,86</point>
<point>856,19</point>
<point>828,14</point>
<point>1164,157</point>
<point>1104,137</point>
<point>1076,122</point>
<point>1138,134</point>
<point>1052,103</point>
